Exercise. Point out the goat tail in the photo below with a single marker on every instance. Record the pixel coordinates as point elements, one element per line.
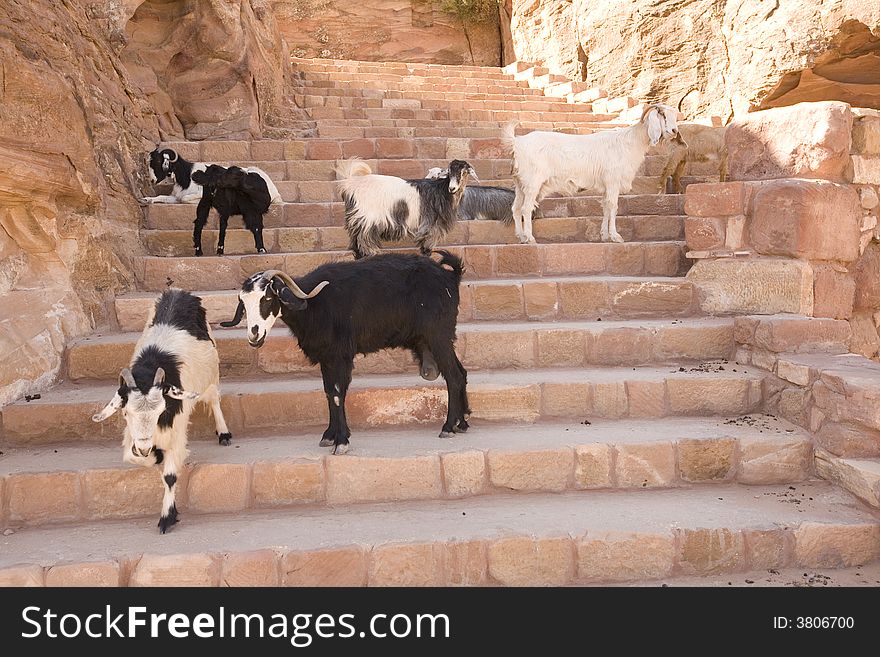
<point>352,167</point>
<point>508,135</point>
<point>451,263</point>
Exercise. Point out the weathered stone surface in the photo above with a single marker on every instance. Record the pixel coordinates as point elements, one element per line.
<point>806,140</point>
<point>549,470</point>
<point>620,557</point>
<point>867,278</point>
<point>524,561</point>
<point>593,466</point>
<point>770,548</point>
<point>336,567</point>
<point>259,568</point>
<point>176,570</point>
<point>645,466</point>
<point>818,545</point>
<point>287,482</point>
<point>386,30</point>
<point>464,473</point>
<point>814,220</point>
<point>763,286</point>
<point>833,292</point>
<point>710,551</point>
<point>22,576</point>
<point>420,564</point>
<point>767,460</point>
<point>725,51</point>
<point>229,81</point>
<point>861,477</point>
<point>84,574</point>
<point>706,460</point>
<point>359,479</point>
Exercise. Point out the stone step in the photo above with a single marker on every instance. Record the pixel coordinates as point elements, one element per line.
<point>495,261</point>
<point>556,112</point>
<point>407,68</point>
<point>431,100</point>
<point>178,241</point>
<point>315,159</point>
<point>507,539</point>
<point>77,482</point>
<point>333,130</point>
<point>547,299</point>
<point>480,346</point>
<point>172,216</point>
<point>448,127</point>
<point>453,78</point>
<point>860,476</point>
<point>278,403</point>
<point>418,89</point>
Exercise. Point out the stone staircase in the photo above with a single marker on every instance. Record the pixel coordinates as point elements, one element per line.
<point>614,436</point>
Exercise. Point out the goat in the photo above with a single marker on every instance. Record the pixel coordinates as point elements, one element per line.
<point>175,365</point>
<point>166,163</point>
<point>481,201</point>
<point>231,191</point>
<point>694,143</point>
<point>362,306</point>
<point>389,208</point>
<point>547,163</point>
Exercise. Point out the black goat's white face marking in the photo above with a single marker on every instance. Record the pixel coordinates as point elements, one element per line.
<point>262,307</point>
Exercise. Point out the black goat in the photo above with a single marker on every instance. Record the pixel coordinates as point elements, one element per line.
<point>231,191</point>
<point>385,301</point>
<point>389,208</point>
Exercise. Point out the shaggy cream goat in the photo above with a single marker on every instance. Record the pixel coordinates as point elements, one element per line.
<point>546,163</point>
<point>695,143</point>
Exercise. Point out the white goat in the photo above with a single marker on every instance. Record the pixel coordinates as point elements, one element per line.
<point>546,163</point>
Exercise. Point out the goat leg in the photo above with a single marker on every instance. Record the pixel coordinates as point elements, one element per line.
<point>337,377</point>
<point>172,460</point>
<point>221,240</point>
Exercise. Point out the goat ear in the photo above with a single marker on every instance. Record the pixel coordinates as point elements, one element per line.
<point>472,173</point>
<point>290,300</point>
<point>176,393</point>
<point>655,126</point>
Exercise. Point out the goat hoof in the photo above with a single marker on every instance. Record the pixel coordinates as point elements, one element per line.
<point>615,237</point>
<point>326,442</point>
<point>262,251</point>
<point>219,250</point>
<point>340,449</point>
<point>461,427</point>
<point>447,434</point>
<point>224,438</point>
<point>166,522</point>
<point>198,253</point>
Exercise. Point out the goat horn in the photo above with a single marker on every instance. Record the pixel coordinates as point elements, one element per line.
<point>173,153</point>
<point>126,376</point>
<point>297,292</point>
<point>686,93</point>
<point>236,320</point>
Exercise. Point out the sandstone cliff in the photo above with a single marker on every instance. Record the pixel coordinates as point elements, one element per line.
<point>386,30</point>
<point>72,128</point>
<point>726,56</point>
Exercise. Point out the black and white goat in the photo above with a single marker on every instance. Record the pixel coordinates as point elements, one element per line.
<point>166,163</point>
<point>606,162</point>
<point>174,366</point>
<point>386,301</point>
<point>390,208</point>
<point>231,191</point>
